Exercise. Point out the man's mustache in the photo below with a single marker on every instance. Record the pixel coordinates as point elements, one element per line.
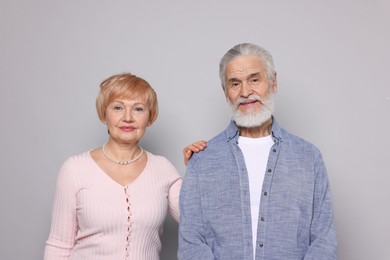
<point>252,98</point>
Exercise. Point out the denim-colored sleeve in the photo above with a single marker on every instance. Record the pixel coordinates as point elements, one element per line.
<point>192,244</point>
<point>323,242</point>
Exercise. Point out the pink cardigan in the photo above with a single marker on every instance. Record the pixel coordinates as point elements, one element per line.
<point>94,217</point>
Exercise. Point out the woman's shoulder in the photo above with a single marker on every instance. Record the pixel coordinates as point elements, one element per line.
<point>81,158</point>
<point>76,164</point>
<point>157,159</point>
<point>161,163</point>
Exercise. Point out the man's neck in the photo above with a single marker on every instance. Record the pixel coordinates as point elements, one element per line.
<point>258,131</point>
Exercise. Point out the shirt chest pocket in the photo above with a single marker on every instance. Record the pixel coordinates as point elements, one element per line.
<point>216,192</point>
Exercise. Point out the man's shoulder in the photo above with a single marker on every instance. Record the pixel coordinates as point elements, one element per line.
<point>219,139</point>
<point>217,148</point>
<point>296,142</point>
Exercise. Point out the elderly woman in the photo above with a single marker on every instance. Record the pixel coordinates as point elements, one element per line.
<point>111,202</point>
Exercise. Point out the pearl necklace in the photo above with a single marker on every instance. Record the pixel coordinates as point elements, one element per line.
<point>123,162</point>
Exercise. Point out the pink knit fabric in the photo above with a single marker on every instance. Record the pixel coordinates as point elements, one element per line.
<point>92,219</point>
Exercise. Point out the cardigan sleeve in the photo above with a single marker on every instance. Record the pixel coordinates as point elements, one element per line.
<point>173,199</point>
<point>64,222</point>
<point>174,180</point>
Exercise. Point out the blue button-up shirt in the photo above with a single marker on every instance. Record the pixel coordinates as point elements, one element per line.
<point>295,218</point>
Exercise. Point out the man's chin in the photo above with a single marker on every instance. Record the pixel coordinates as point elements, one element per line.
<point>246,125</point>
<point>250,120</point>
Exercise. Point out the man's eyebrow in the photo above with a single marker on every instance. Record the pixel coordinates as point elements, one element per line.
<point>255,74</point>
<point>233,79</point>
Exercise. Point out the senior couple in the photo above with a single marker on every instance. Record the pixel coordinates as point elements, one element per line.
<point>256,191</point>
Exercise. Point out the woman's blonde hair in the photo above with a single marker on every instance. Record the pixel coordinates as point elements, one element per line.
<point>125,86</point>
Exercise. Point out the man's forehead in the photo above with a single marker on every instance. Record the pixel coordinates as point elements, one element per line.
<point>244,66</point>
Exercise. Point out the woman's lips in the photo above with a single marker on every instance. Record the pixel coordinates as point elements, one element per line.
<point>127,128</point>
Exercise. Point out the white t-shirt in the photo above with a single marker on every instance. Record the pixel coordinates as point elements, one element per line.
<point>256,152</point>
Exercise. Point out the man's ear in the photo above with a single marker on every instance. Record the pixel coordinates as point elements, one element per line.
<point>275,84</point>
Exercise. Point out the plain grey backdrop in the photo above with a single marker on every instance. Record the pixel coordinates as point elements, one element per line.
<point>332,59</point>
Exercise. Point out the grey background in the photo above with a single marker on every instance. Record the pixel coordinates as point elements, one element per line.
<point>332,59</point>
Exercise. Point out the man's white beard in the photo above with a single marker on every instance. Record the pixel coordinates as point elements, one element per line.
<point>253,119</point>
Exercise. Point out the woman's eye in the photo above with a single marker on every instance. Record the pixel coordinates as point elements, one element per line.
<point>117,108</point>
<point>138,109</point>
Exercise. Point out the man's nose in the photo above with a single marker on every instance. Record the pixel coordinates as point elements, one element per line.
<point>246,89</point>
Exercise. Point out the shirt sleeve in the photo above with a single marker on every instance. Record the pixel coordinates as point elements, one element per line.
<point>323,242</point>
<point>192,243</point>
<point>64,223</point>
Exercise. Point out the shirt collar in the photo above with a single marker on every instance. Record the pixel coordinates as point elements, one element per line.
<point>233,133</point>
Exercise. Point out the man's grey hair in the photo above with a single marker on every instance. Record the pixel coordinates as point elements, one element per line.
<point>247,49</point>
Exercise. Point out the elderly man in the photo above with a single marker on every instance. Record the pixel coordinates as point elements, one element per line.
<point>257,191</point>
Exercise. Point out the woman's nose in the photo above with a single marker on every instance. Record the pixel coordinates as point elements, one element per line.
<point>128,116</point>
